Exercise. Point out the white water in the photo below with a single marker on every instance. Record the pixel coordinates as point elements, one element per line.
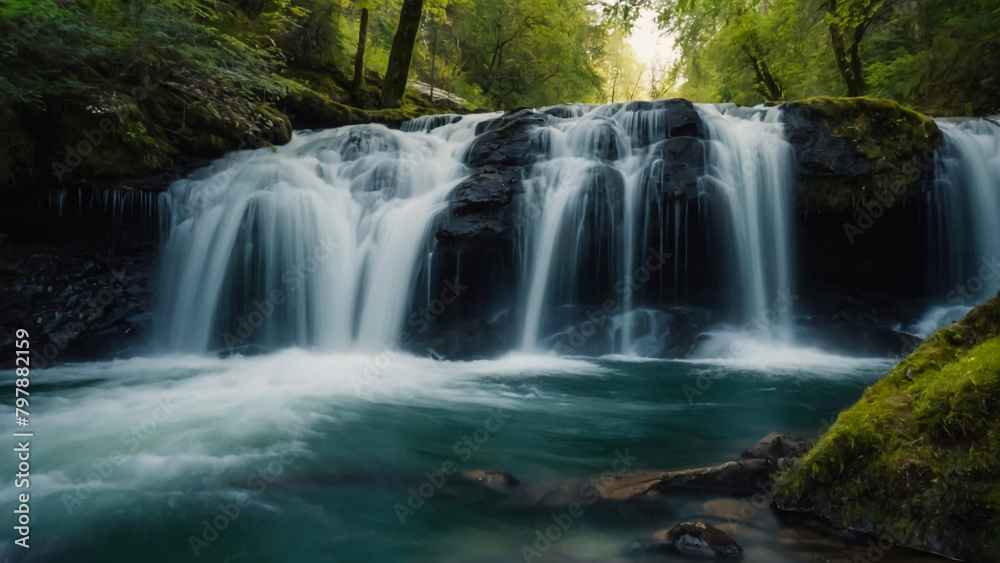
<point>966,210</point>
<point>317,243</point>
<point>964,217</point>
<point>748,160</point>
<point>753,164</point>
<point>336,221</point>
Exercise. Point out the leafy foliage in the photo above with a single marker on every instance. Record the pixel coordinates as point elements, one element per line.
<point>938,55</point>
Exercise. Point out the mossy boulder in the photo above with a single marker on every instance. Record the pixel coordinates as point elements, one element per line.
<point>917,460</point>
<point>854,151</point>
<point>322,103</point>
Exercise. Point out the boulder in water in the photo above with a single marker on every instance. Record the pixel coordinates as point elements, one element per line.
<point>697,539</point>
<point>680,116</point>
<point>482,208</point>
<point>506,140</point>
<point>776,447</point>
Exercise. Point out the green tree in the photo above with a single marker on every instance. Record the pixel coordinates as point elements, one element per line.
<point>397,72</point>
<point>849,21</point>
<point>359,57</point>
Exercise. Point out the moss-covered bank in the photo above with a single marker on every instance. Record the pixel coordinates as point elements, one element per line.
<point>152,119</point>
<point>917,459</point>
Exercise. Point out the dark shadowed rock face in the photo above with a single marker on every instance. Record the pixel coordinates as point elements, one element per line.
<point>819,153</point>
<point>482,209</point>
<point>506,140</point>
<point>680,166</point>
<point>78,303</point>
<point>480,235</point>
<point>682,119</point>
<point>852,151</point>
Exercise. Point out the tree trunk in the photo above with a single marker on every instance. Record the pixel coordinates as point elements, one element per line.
<point>766,83</point>
<point>857,70</point>
<point>434,50</point>
<point>401,53</point>
<point>359,59</point>
<point>848,56</point>
<point>848,62</point>
<point>773,88</point>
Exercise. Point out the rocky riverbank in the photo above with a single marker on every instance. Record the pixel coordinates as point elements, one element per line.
<point>736,508</point>
<point>79,301</point>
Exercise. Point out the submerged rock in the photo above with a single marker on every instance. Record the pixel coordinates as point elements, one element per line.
<point>697,539</point>
<point>493,479</point>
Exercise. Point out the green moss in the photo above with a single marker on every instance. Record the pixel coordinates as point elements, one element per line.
<point>918,457</point>
<point>320,82</point>
<point>275,126</point>
<point>896,142</point>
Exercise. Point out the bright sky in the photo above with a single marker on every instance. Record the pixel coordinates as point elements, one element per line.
<point>651,47</point>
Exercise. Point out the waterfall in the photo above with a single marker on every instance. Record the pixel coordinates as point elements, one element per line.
<point>965,209</point>
<point>315,243</point>
<point>331,241</point>
<point>604,203</point>
<point>753,166</point>
<point>135,210</point>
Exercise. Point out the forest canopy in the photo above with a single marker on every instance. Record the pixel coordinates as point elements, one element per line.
<point>940,56</point>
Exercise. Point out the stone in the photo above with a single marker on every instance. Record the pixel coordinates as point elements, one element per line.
<point>697,539</point>
<point>680,166</point>
<point>776,447</point>
<point>483,209</point>
<point>744,477</point>
<point>680,116</point>
<point>506,140</point>
<point>493,479</point>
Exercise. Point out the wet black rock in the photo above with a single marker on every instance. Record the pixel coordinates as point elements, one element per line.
<point>680,166</point>
<point>817,151</point>
<point>602,140</point>
<point>506,140</point>
<point>680,116</point>
<point>481,208</point>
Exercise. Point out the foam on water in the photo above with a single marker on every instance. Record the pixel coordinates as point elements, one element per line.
<point>729,347</point>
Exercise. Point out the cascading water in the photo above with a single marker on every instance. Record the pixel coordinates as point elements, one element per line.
<point>967,203</point>
<point>753,165</point>
<point>964,209</point>
<point>604,204</point>
<point>324,237</point>
<point>314,244</point>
